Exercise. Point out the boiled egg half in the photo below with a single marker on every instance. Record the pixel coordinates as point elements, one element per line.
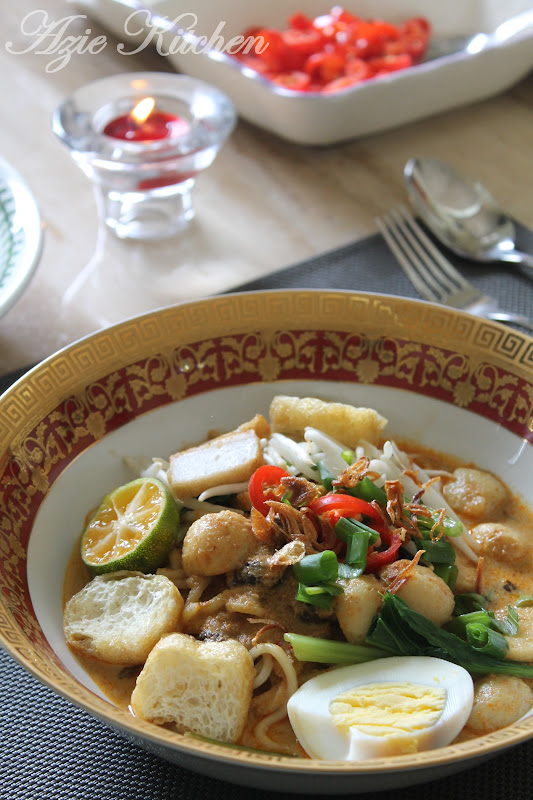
<point>381,708</point>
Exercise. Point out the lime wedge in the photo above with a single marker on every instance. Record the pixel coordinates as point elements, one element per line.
<point>135,528</point>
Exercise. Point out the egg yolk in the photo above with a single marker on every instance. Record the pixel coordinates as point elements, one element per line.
<point>390,710</point>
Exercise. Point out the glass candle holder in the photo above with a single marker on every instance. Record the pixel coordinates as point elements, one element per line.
<point>144,165</point>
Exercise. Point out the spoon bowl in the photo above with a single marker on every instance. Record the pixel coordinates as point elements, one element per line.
<point>462,214</point>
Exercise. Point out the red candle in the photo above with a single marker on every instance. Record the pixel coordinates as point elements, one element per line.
<point>145,123</point>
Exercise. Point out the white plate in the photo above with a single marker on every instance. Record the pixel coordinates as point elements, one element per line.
<point>20,236</point>
<point>492,63</point>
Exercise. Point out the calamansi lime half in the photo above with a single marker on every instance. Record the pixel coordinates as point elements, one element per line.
<point>134,529</point>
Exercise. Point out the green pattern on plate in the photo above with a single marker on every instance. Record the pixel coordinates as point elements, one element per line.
<point>11,241</point>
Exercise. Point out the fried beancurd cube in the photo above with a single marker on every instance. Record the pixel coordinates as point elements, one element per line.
<point>201,687</point>
<point>345,423</point>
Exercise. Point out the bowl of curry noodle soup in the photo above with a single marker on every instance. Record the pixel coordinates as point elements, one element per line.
<point>323,497</point>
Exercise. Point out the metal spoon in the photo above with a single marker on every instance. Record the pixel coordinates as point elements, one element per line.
<point>462,214</point>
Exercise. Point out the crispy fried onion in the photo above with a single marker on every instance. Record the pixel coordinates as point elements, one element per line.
<point>404,574</point>
<point>301,491</point>
<point>277,701</point>
<point>356,472</point>
<point>403,524</point>
<point>396,509</point>
<point>283,524</point>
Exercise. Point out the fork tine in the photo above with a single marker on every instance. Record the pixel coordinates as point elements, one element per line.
<point>406,257</point>
<point>422,240</point>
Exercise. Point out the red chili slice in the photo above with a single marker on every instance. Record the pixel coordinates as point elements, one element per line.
<point>378,558</point>
<point>265,485</point>
<point>346,505</point>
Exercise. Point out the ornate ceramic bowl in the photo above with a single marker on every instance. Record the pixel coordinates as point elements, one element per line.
<point>453,382</point>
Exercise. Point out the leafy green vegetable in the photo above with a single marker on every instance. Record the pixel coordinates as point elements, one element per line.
<point>401,631</point>
<point>325,651</point>
<point>448,573</point>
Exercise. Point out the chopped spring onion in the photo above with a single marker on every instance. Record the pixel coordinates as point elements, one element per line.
<point>324,651</point>
<point>348,455</point>
<point>317,567</point>
<point>320,596</point>
<point>469,601</point>
<point>524,601</point>
<point>509,625</point>
<point>459,624</point>
<point>326,477</point>
<point>487,641</point>
<point>316,575</point>
<point>358,538</point>
<point>451,527</point>
<point>367,490</point>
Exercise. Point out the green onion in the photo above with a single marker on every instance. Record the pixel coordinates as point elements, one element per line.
<point>317,567</point>
<point>469,601</point>
<point>448,573</point>
<point>347,571</point>
<point>509,625</point>
<point>325,476</point>
<point>485,640</point>
<point>314,596</point>
<point>449,527</point>
<point>524,600</point>
<point>367,490</point>
<point>459,624</point>
<point>358,538</point>
<point>348,455</point>
<point>324,651</point>
<point>438,552</point>
<point>401,631</point>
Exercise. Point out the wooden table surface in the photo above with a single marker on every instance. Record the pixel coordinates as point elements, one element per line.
<point>263,204</point>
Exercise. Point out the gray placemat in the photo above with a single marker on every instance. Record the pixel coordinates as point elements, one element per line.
<point>52,750</point>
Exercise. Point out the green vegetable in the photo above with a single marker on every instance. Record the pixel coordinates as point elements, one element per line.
<point>324,651</point>
<point>326,477</point>
<point>448,573</point>
<point>316,575</point>
<point>469,601</point>
<point>525,600</point>
<point>486,641</point>
<point>348,455</point>
<point>367,490</point>
<point>314,595</point>
<point>458,625</point>
<point>317,567</point>
<point>401,631</point>
<point>439,552</point>
<point>358,538</point>
<point>451,527</point>
<point>509,625</point>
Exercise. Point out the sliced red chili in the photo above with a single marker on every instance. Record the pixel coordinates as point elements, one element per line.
<point>345,505</point>
<point>265,485</point>
<point>328,47</point>
<point>376,559</point>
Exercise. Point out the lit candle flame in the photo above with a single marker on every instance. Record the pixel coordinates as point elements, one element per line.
<point>143,109</point>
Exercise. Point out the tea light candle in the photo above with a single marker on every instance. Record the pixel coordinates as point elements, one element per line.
<point>142,138</point>
<point>146,123</point>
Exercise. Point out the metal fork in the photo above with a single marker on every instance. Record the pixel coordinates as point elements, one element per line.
<point>433,275</point>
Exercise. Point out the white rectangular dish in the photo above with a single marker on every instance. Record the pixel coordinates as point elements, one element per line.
<point>498,52</point>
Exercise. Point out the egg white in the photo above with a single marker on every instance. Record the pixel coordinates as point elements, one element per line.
<point>312,721</point>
